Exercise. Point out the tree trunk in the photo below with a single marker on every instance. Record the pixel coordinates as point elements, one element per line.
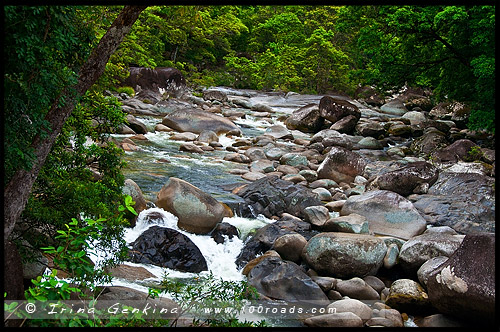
<point>17,191</point>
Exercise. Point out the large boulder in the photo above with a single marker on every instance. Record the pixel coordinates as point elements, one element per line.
<point>334,109</point>
<point>341,165</point>
<point>271,196</point>
<point>409,179</point>
<point>197,121</point>
<point>330,137</point>
<point>464,286</point>
<point>344,255</point>
<point>431,141</point>
<point>197,211</point>
<point>168,248</point>
<point>463,201</point>
<point>394,107</point>
<point>387,213</point>
<point>285,280</point>
<point>142,78</point>
<point>306,119</point>
<point>458,150</point>
<point>137,126</point>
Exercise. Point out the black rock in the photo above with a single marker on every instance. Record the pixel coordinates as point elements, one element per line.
<point>168,248</point>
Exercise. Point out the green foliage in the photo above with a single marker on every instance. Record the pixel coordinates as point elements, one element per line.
<point>199,298</point>
<point>126,89</point>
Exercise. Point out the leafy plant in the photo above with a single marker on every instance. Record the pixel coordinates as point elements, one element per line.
<point>126,89</point>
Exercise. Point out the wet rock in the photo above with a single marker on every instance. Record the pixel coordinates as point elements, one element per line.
<point>290,246</point>
<point>196,121</point>
<point>408,296</point>
<point>222,231</point>
<point>369,143</point>
<point>341,165</point>
<point>262,108</point>
<point>251,264</point>
<point>357,288</point>
<point>306,119</point>
<point>187,136</point>
<point>387,213</point>
<point>272,196</point>
<point>334,109</point>
<point>189,147</point>
<point>464,286</point>
<point>237,158</point>
<point>284,280</point>
<point>168,248</point>
<point>197,211</point>
<point>329,137</point>
<point>344,255</point>
<point>323,194</point>
<point>207,136</point>
<point>405,180</point>
<point>137,126</point>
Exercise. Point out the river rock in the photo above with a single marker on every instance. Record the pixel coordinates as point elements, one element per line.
<point>345,125</point>
<point>137,126</point>
<point>464,286</point>
<point>392,256</point>
<point>237,158</point>
<point>168,248</point>
<point>284,280</point>
<point>421,248</point>
<point>463,201</point>
<point>370,129</point>
<point>357,288</point>
<point>294,159</point>
<point>406,180</point>
<point>334,109</point>
<point>290,246</point>
<point>415,117</point>
<point>250,265</point>
<point>428,268</point>
<point>196,121</point>
<point>440,320</point>
<point>263,166</point>
<point>130,273</point>
<point>357,307</point>
<point>386,318</point>
<point>279,132</point>
<point>186,136</point>
<point>197,211</point>
<point>387,213</point>
<point>344,255</point>
<point>190,147</point>
<point>431,141</point>
<point>207,136</point>
<point>316,215</point>
<point>353,223</point>
<point>306,119</point>
<point>217,95</point>
<point>222,231</point>
<point>394,107</point>
<point>167,78</point>
<point>341,165</point>
<point>330,137</point>
<point>456,111</point>
<point>253,176</point>
<point>341,319</point>
<point>458,150</point>
<point>408,296</point>
<point>272,196</point>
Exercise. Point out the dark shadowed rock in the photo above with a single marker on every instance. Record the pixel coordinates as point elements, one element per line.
<point>168,248</point>
<point>306,119</point>
<point>334,109</point>
<point>345,125</point>
<point>272,196</point>
<point>458,150</point>
<point>223,230</point>
<point>170,79</point>
<point>464,286</point>
<point>284,280</point>
<point>137,126</point>
<point>215,95</point>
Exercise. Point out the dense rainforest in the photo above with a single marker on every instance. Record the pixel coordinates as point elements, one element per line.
<point>449,50</point>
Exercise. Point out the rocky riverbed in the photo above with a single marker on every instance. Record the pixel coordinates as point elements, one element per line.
<point>381,209</point>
